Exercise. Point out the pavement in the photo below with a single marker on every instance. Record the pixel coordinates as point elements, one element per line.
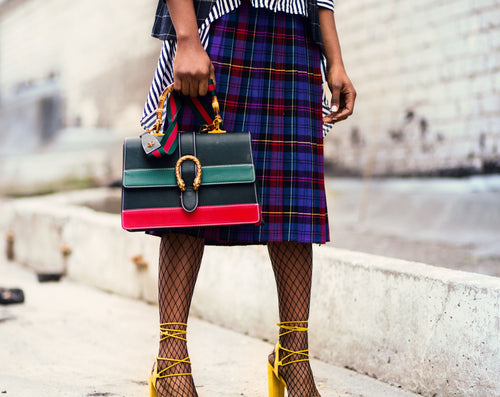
<point>69,339</point>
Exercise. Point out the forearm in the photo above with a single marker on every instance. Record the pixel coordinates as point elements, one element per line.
<point>331,45</point>
<point>192,66</point>
<point>184,20</point>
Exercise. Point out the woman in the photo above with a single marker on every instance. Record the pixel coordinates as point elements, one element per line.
<point>266,58</point>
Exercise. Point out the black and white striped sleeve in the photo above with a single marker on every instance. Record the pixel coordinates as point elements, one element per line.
<point>326,4</point>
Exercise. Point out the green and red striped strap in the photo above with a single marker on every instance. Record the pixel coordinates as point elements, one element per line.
<point>202,112</point>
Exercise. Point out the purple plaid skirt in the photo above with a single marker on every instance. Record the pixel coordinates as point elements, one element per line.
<point>269,83</point>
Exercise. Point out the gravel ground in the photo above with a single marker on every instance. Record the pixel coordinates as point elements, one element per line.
<point>453,223</point>
<point>459,257</point>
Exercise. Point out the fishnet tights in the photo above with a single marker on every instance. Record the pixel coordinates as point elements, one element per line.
<point>180,259</point>
<point>292,265</point>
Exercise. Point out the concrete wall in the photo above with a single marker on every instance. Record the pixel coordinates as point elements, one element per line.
<point>73,80</point>
<point>428,80</point>
<point>99,52</point>
<point>431,330</point>
<point>427,75</point>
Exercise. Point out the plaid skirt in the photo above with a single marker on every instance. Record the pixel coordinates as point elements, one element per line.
<point>269,83</point>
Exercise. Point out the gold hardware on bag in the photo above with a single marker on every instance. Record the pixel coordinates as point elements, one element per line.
<point>213,128</point>
<point>197,179</point>
<point>217,119</point>
<point>155,129</point>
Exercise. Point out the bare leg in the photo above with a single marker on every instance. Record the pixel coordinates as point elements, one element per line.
<point>292,265</point>
<point>180,259</point>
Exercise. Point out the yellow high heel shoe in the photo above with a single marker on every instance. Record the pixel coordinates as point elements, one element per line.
<point>166,333</point>
<point>277,384</point>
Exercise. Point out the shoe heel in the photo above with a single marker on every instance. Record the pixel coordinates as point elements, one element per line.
<point>152,389</point>
<point>276,387</point>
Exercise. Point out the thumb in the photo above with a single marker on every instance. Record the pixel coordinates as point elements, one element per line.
<point>335,101</point>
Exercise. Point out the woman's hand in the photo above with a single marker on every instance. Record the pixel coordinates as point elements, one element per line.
<point>343,92</point>
<point>343,95</point>
<point>192,68</point>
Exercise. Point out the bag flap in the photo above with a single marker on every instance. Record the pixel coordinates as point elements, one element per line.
<point>225,159</point>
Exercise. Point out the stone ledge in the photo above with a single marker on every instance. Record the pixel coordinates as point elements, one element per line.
<point>429,329</point>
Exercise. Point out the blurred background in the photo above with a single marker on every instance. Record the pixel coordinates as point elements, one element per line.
<point>413,174</point>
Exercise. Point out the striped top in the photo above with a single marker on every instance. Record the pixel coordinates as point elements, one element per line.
<point>164,75</point>
<point>297,7</point>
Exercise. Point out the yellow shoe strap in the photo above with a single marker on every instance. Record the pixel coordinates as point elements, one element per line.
<point>291,327</point>
<point>167,332</point>
<point>160,374</point>
<point>280,363</point>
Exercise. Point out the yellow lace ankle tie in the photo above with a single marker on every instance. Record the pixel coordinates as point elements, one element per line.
<point>290,326</point>
<point>167,332</point>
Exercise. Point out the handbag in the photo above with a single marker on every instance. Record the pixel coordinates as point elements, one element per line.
<point>175,179</point>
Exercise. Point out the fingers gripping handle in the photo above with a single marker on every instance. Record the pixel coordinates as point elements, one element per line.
<point>210,127</point>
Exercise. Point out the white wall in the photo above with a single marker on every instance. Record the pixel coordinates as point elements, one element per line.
<point>100,52</point>
<point>438,60</point>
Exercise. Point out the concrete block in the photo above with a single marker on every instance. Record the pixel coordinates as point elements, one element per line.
<point>489,104</point>
<point>55,235</point>
<point>37,232</point>
<point>105,256</point>
<point>437,327</point>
